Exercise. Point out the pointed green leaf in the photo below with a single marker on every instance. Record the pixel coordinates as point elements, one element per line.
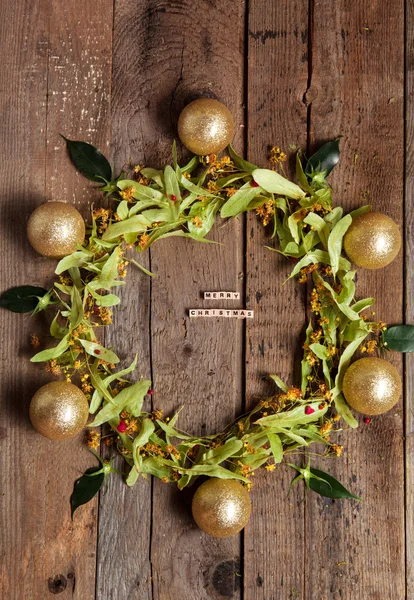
<point>52,353</point>
<point>280,384</point>
<point>345,412</point>
<point>276,447</point>
<point>129,399</point>
<point>324,159</point>
<point>76,311</point>
<point>89,161</point>
<point>239,201</point>
<point>329,487</point>
<point>86,487</point>
<point>135,224</point>
<point>22,299</point>
<point>242,164</point>
<point>320,226</point>
<point>400,338</point>
<point>335,242</point>
<point>76,259</point>
<point>276,184</point>
<point>99,351</point>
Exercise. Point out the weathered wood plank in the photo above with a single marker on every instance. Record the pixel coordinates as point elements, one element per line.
<point>409,296</point>
<point>356,550</point>
<point>43,551</point>
<point>196,363</point>
<point>124,569</point>
<point>277,79</point>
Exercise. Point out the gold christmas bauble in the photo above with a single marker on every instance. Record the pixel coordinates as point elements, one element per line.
<point>59,410</point>
<point>205,126</point>
<point>221,507</point>
<point>372,241</point>
<point>55,229</point>
<point>372,386</point>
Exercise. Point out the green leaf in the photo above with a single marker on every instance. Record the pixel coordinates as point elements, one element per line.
<point>334,216</point>
<point>242,164</point>
<point>207,216</point>
<point>276,447</point>
<point>317,256</point>
<point>329,487</point>
<point>171,184</point>
<point>109,272</point>
<point>325,159</point>
<point>89,161</point>
<point>280,384</point>
<point>221,453</point>
<point>96,350</point>
<point>129,399</point>
<point>335,242</point>
<point>274,183</point>
<point>52,353</point>
<point>362,210</point>
<point>147,428</point>
<point>296,416</point>
<point>154,175</point>
<point>142,192</point>
<point>86,487</point>
<point>103,300</point>
<point>132,478</point>
<point>345,360</point>
<point>239,201</point>
<point>142,268</point>
<point>135,224</point>
<point>362,304</point>
<point>320,351</point>
<point>300,174</point>
<point>76,311</point>
<point>400,338</point>
<point>76,259</point>
<point>209,470</point>
<point>22,299</point>
<point>344,411</point>
<point>320,226</point>
<point>56,330</point>
<point>123,211</point>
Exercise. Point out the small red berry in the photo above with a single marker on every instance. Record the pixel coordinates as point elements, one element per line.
<point>309,410</point>
<point>254,183</point>
<point>122,427</point>
<point>367,420</point>
<point>97,352</point>
<point>173,197</point>
<point>150,392</point>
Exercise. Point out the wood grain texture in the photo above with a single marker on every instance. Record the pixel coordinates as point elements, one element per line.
<point>409,296</point>
<point>124,568</point>
<point>277,114</point>
<point>356,550</point>
<point>193,52</point>
<point>43,552</point>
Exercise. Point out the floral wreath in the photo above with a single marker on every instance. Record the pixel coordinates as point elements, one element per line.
<point>149,205</point>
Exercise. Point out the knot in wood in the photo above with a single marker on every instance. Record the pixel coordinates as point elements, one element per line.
<point>310,95</point>
<point>57,584</point>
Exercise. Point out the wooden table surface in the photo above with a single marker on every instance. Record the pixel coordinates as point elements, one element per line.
<point>117,74</point>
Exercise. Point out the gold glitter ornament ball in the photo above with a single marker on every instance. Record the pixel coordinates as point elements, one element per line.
<point>372,241</point>
<point>55,229</point>
<point>59,410</point>
<point>221,507</point>
<point>205,126</point>
<point>372,386</point>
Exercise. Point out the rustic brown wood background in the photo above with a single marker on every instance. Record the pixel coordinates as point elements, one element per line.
<point>117,73</point>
